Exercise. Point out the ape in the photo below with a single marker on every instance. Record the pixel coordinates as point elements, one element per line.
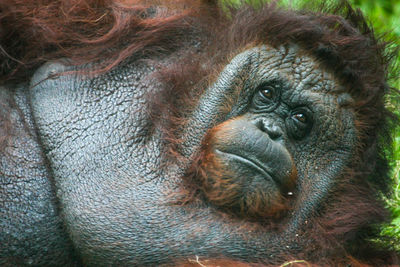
<point>140,133</point>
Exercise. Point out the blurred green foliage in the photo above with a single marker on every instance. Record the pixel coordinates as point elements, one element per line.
<point>385,17</point>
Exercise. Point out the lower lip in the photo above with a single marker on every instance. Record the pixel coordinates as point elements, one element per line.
<point>247,162</point>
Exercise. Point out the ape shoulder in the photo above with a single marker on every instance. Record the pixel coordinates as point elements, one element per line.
<point>161,131</point>
<point>32,232</point>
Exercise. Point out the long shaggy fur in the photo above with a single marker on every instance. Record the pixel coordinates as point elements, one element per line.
<point>111,32</point>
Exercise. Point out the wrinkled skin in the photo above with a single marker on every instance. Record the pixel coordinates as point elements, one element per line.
<point>113,198</point>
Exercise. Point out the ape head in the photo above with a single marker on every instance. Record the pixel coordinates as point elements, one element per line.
<point>253,162</point>
<point>173,131</point>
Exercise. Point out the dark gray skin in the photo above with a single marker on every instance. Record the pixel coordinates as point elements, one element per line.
<point>99,168</point>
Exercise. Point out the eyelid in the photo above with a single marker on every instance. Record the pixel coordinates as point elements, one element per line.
<point>261,103</point>
<point>274,85</point>
<point>297,128</point>
<point>268,87</point>
<point>302,109</point>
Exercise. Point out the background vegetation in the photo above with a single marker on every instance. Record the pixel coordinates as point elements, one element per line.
<point>384,15</point>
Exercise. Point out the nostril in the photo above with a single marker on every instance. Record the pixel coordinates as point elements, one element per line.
<point>260,125</point>
<point>273,131</point>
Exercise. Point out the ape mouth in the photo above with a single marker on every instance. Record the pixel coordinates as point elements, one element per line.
<point>248,162</point>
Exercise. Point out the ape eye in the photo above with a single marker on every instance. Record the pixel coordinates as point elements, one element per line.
<point>268,92</point>
<point>301,117</point>
<point>266,97</point>
<point>299,123</point>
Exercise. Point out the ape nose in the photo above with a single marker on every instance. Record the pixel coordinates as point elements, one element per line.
<point>274,132</point>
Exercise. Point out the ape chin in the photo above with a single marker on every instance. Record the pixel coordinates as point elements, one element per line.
<point>160,133</point>
<point>246,171</point>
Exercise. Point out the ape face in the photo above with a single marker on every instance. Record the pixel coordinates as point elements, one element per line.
<point>291,123</point>
<point>284,131</point>
<point>147,133</point>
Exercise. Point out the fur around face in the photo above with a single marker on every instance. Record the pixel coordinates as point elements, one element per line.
<point>338,37</point>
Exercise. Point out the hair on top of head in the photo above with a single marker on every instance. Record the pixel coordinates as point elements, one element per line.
<point>111,32</point>
<point>33,32</point>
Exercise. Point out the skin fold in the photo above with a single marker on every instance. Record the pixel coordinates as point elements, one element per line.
<point>161,160</point>
<point>118,204</point>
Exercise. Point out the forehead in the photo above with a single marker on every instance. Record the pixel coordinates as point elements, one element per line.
<point>293,67</point>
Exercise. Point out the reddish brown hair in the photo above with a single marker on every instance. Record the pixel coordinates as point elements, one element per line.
<point>110,32</point>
